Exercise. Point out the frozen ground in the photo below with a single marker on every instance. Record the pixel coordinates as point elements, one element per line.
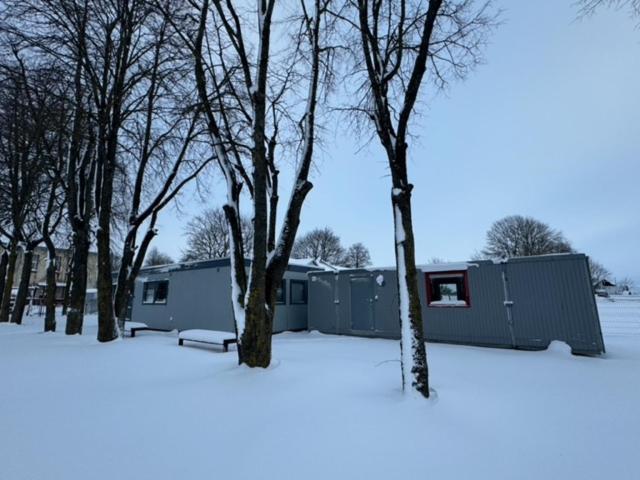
<point>328,408</point>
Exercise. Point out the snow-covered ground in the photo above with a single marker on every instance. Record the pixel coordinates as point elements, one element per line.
<point>328,408</point>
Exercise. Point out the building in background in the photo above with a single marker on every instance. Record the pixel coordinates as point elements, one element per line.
<point>39,267</point>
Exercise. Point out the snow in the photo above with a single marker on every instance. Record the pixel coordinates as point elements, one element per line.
<point>448,303</point>
<point>316,263</point>
<point>329,407</point>
<point>432,267</point>
<point>129,325</point>
<point>211,336</point>
<point>446,267</point>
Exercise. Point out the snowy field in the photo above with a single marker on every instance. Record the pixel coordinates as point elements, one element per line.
<point>328,408</point>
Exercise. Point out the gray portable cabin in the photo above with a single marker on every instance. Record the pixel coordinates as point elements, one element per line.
<point>519,303</point>
<point>192,295</point>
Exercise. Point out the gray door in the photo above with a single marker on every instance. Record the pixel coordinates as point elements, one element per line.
<point>362,303</point>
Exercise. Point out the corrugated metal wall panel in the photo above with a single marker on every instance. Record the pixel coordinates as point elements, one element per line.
<point>553,301</point>
<point>201,298</point>
<point>322,308</point>
<point>551,296</point>
<point>483,323</point>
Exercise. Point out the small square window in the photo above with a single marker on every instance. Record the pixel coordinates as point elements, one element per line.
<point>447,289</point>
<point>298,292</point>
<point>281,293</point>
<point>155,293</point>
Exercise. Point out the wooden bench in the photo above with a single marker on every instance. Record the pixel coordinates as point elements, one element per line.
<point>212,337</point>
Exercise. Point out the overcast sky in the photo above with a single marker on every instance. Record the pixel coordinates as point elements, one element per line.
<point>549,127</point>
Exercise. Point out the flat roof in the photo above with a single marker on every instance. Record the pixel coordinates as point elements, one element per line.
<point>215,263</point>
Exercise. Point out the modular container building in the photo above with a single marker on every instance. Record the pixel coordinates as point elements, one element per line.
<point>198,295</point>
<point>519,303</point>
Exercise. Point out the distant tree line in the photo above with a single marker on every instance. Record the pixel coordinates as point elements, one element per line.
<point>207,237</point>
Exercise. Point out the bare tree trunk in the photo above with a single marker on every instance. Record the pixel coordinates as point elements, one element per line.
<point>78,279</point>
<point>107,328</point>
<point>50,293</point>
<point>256,341</point>
<point>121,297</point>
<point>8,286</point>
<point>23,287</point>
<point>67,289</point>
<point>4,260</point>
<point>126,283</point>
<point>412,349</point>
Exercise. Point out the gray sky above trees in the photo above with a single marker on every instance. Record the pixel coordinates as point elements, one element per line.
<point>548,127</point>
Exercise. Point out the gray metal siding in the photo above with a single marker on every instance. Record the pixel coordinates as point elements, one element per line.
<point>322,307</point>
<point>552,300</point>
<point>198,298</point>
<point>483,323</point>
<point>201,298</point>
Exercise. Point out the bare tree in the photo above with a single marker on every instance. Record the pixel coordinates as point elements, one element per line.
<point>208,236</point>
<point>32,151</point>
<point>156,257</point>
<point>134,120</point>
<point>320,244</point>
<point>401,45</point>
<point>246,107</point>
<point>588,7</point>
<point>26,116</point>
<point>519,236</point>
<point>161,154</point>
<point>626,286</point>
<point>357,256</point>
<point>598,272</point>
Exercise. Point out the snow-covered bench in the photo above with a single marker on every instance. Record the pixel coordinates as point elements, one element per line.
<point>134,327</point>
<point>207,336</point>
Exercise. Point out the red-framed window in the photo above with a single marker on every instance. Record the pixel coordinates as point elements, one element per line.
<point>448,289</point>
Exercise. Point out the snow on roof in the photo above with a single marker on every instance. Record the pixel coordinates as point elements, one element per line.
<point>446,267</point>
<point>315,262</point>
<point>310,263</point>
<point>433,267</point>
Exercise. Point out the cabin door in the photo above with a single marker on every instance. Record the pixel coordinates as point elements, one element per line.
<point>362,301</point>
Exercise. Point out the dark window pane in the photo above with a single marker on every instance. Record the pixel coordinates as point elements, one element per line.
<point>298,292</point>
<point>161,292</point>
<point>281,293</point>
<point>155,292</point>
<point>149,293</point>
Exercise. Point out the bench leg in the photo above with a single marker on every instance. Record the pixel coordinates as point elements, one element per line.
<point>180,341</point>
<point>225,346</point>
<point>133,332</point>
